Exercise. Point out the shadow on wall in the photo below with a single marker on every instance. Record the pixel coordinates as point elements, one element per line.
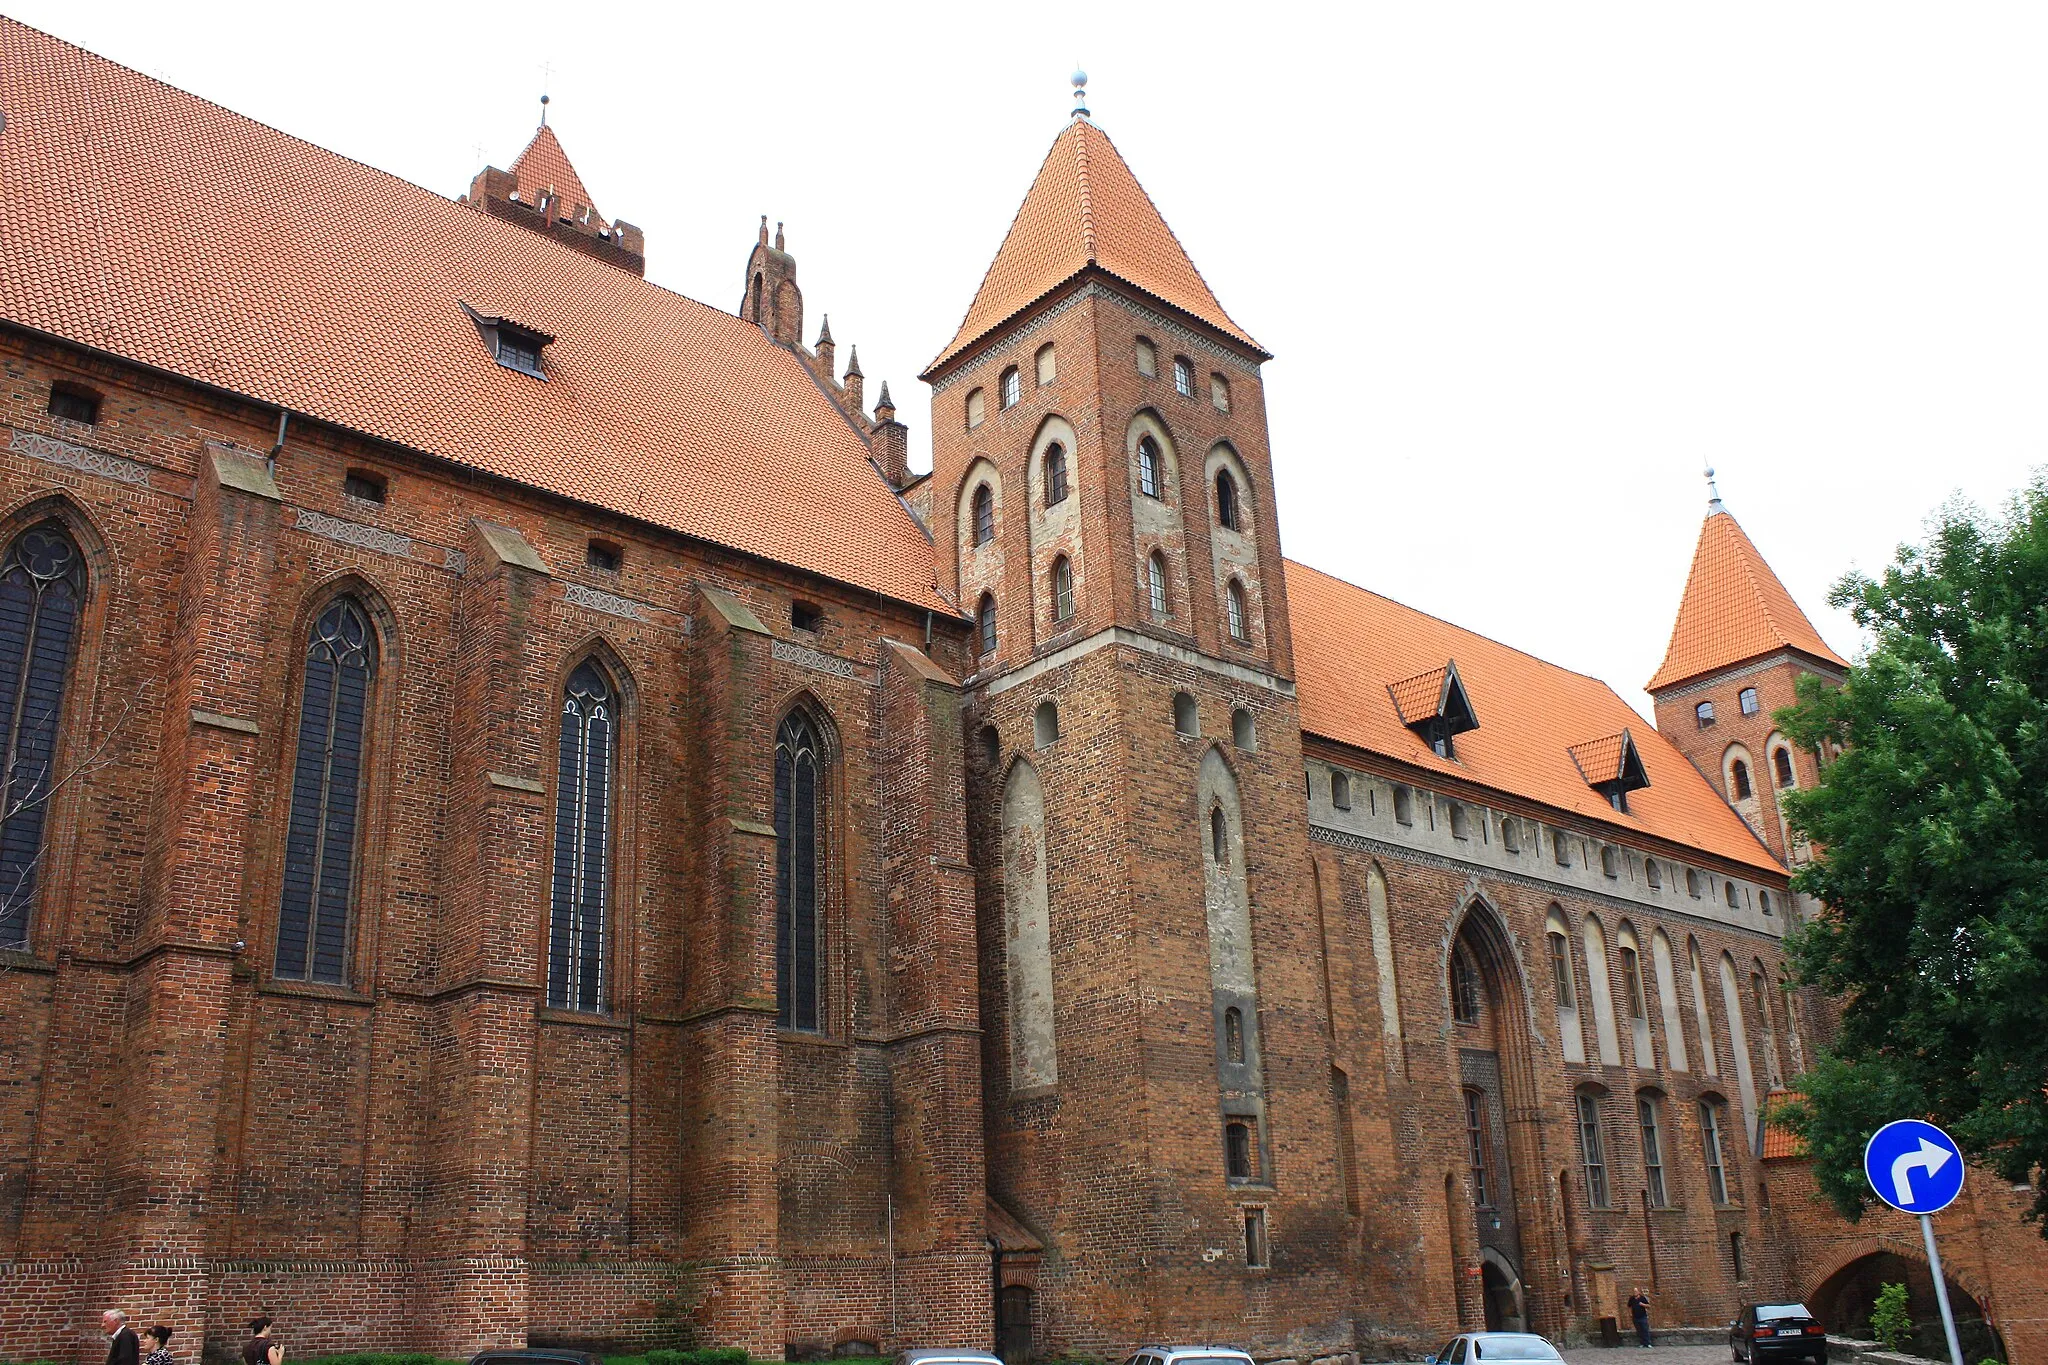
<point>1844,1300</point>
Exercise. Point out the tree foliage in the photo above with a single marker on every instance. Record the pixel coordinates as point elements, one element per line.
<point>1932,827</point>
<point>1891,1321</point>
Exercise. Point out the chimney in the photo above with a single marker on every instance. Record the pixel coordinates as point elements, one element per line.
<point>854,384</point>
<point>890,442</point>
<point>826,349</point>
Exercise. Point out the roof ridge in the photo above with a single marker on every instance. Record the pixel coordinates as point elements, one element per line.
<point>1749,564</point>
<point>1087,192</point>
<point>1179,245</point>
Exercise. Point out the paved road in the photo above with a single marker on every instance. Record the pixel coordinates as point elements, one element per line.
<point>1711,1353</point>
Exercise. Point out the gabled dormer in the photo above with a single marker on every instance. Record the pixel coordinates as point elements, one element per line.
<point>1612,767</point>
<point>1434,705</point>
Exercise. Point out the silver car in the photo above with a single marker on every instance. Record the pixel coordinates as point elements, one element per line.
<point>1189,1355</point>
<point>943,1357</point>
<point>1476,1346</point>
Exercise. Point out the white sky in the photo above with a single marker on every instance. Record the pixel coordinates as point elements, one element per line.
<point>1526,268</point>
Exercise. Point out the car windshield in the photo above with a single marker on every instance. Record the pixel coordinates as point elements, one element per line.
<point>1771,1312</point>
<point>1210,1360</point>
<point>1514,1348</point>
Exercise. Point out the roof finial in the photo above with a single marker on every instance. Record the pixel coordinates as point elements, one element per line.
<point>1080,79</point>
<point>1713,493</point>
<point>547,69</point>
<point>543,111</point>
<point>778,236</point>
<point>764,229</point>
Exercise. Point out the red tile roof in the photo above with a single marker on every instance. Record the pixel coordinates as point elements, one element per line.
<point>148,223</point>
<point>1418,698</point>
<point>1780,1141</point>
<point>1350,643</point>
<point>1734,610</point>
<point>1600,759</point>
<point>1086,209</point>
<point>543,168</point>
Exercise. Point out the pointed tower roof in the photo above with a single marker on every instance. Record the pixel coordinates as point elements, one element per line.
<point>543,168</point>
<point>1087,209</point>
<point>1734,609</point>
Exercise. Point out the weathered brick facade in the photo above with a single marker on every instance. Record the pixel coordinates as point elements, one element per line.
<point>1130,1023</point>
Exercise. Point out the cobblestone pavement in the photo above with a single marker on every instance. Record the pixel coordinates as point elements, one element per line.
<point>1703,1353</point>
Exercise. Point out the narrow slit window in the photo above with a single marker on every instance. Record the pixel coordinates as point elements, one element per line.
<point>985,623</point>
<point>1062,589</point>
<point>1012,387</point>
<point>583,836</point>
<point>1155,581</point>
<point>1055,474</point>
<point>799,950</point>
<point>1148,467</point>
<point>1592,1149</point>
<point>1233,599</point>
<point>1183,377</point>
<point>984,515</point>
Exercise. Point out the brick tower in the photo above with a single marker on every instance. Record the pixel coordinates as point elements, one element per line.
<point>1738,647</point>
<point>1102,500</point>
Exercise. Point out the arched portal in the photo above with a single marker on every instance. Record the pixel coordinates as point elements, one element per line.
<point>1502,1287</point>
<point>1845,1298</point>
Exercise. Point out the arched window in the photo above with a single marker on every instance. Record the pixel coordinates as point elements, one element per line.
<point>1237,1150</point>
<point>984,515</point>
<point>1781,761</point>
<point>1738,779</point>
<point>1219,392</point>
<point>1340,789</point>
<point>1561,969</point>
<point>1155,580</point>
<point>1148,467</point>
<point>1227,514</point>
<point>583,831</point>
<point>1652,874</point>
<point>1704,715</point>
<point>1062,589</point>
<point>1233,1033</point>
<point>1475,1146</point>
<point>1746,699</point>
<point>42,588</point>
<point>1187,714</point>
<point>1047,365</point>
<point>1146,357</point>
<point>1593,1149</point>
<point>1649,1118</point>
<point>1233,603</point>
<point>1045,724</point>
<point>320,834</point>
<point>1055,474</point>
<point>799,963</point>
<point>1729,893</point>
<point>1464,989</point>
<point>1711,1123</point>
<point>985,622</point>
<point>1243,732</point>
<point>1012,387</point>
<point>977,408</point>
<point>1183,377</point>
<point>1219,836</point>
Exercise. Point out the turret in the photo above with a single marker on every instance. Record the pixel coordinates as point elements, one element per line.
<point>771,299</point>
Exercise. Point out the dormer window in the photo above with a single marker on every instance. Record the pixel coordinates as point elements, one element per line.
<point>1612,767</point>
<point>513,345</point>
<point>1435,707</point>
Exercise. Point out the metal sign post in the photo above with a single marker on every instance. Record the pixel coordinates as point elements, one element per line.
<point>1890,1158</point>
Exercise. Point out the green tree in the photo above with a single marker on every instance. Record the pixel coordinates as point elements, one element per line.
<point>1933,826</point>
<point>1891,1321</point>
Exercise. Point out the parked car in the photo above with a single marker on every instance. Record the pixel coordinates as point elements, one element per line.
<point>537,1355</point>
<point>1189,1355</point>
<point>1471,1346</point>
<point>1777,1331</point>
<point>928,1356</point>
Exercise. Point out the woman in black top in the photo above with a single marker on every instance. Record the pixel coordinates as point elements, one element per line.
<point>262,1350</point>
<point>157,1341</point>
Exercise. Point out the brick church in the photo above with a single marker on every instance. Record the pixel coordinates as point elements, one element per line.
<point>525,819</point>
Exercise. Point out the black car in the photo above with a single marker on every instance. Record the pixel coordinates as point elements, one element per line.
<point>1777,1331</point>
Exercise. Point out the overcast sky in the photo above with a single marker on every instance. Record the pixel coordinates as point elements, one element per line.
<point>1524,268</point>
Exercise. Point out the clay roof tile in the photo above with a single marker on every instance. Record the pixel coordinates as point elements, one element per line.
<point>1734,610</point>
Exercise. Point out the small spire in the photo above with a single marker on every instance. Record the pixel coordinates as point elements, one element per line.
<point>778,236</point>
<point>764,229</point>
<point>543,111</point>
<point>825,331</point>
<point>1713,494</point>
<point>853,361</point>
<point>1080,80</point>
<point>884,404</point>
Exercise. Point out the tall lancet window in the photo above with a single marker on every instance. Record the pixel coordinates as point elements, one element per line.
<point>583,841</point>
<point>42,587</point>
<point>320,837</point>
<point>799,992</point>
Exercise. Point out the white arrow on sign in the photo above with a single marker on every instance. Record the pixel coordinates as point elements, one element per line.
<point>1930,1158</point>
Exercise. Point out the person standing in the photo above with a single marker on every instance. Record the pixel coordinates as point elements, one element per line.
<point>1639,1309</point>
<point>122,1346</point>
<point>262,1349</point>
<point>158,1340</point>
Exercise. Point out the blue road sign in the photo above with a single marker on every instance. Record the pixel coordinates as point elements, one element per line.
<point>1914,1166</point>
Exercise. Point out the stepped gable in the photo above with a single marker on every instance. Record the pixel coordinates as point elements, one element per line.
<point>1086,209</point>
<point>1734,610</point>
<point>1349,644</point>
<point>152,225</point>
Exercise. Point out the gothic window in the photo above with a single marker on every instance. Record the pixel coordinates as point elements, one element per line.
<point>1233,602</point>
<point>1243,731</point>
<point>1404,805</point>
<point>1561,969</point>
<point>1652,874</point>
<point>1183,377</point>
<point>320,834</point>
<point>984,515</point>
<point>1647,1117</point>
<point>985,622</point>
<point>1219,836</point>
<point>1187,714</point>
<point>1227,513</point>
<point>1045,724</point>
<point>1710,1142</point>
<point>1148,467</point>
<point>1746,699</point>
<point>1729,894</point>
<point>1340,790</point>
<point>1062,589</point>
<point>1012,387</point>
<point>1155,580</point>
<point>1781,762</point>
<point>1464,989</point>
<point>1632,982</point>
<point>1475,1145</point>
<point>1692,883</point>
<point>1055,474</point>
<point>1704,715</point>
<point>1233,1035</point>
<point>583,836</point>
<point>42,588</point>
<point>1240,1149</point>
<point>799,963</point>
<point>1592,1149</point>
<point>1738,779</point>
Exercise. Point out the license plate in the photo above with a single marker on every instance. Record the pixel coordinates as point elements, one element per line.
<point>1791,1332</point>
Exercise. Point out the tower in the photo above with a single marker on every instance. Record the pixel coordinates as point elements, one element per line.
<point>542,193</point>
<point>1102,502</point>
<point>1738,648</point>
